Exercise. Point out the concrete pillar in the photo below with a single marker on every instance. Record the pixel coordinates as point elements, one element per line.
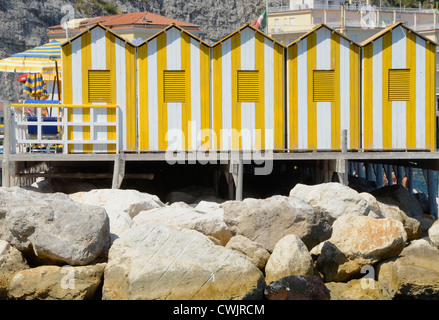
<point>379,172</point>
<point>237,170</point>
<point>118,171</point>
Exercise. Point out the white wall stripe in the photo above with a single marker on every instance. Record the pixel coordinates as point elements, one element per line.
<point>302,93</point>
<point>344,84</point>
<point>77,91</point>
<point>153,114</point>
<point>121,89</point>
<point>195,93</point>
<point>377,99</point>
<point>226,94</point>
<point>269,93</point>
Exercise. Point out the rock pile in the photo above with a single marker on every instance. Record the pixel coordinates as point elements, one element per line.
<point>321,242</point>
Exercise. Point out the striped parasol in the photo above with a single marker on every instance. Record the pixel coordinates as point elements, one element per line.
<point>35,87</point>
<point>42,59</point>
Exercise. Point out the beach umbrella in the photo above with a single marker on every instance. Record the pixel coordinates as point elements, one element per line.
<point>41,59</point>
<point>35,87</point>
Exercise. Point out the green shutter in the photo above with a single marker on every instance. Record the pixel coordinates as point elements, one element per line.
<point>399,84</point>
<point>248,86</point>
<point>174,86</point>
<point>323,86</point>
<point>99,86</point>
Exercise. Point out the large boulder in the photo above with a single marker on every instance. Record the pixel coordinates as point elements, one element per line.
<point>266,221</point>
<point>357,289</point>
<point>414,274</point>
<point>254,251</point>
<point>131,202</point>
<point>297,288</point>
<point>121,205</point>
<point>411,226</point>
<point>57,283</point>
<point>375,210</point>
<point>156,262</point>
<point>332,198</point>
<point>57,231</point>
<point>209,222</point>
<point>357,241</point>
<point>399,196</point>
<point>433,234</point>
<point>11,262</point>
<point>289,257</point>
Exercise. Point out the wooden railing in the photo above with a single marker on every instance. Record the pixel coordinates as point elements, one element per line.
<point>41,133</point>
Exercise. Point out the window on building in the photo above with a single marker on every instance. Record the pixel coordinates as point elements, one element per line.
<point>399,84</point>
<point>99,86</point>
<point>174,86</point>
<point>248,86</point>
<point>292,21</point>
<point>323,85</point>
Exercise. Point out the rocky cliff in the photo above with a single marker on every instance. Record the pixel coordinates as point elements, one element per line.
<point>24,23</point>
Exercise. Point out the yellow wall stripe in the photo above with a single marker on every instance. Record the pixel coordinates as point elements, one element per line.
<point>67,87</point>
<point>260,105</point>
<point>293,98</point>
<point>430,112</point>
<point>335,105</point>
<point>143,98</point>
<point>387,105</point>
<point>86,65</point>
<point>205,96</point>
<point>278,97</point>
<point>411,105</point>
<point>162,106</point>
<point>354,118</point>
<point>312,106</point>
<point>368,96</point>
<point>186,106</point>
<point>130,97</point>
<point>217,96</point>
<point>236,106</point>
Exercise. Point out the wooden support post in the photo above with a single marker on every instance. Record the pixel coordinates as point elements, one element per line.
<point>119,171</point>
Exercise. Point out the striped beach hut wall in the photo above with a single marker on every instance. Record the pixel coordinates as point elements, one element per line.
<point>323,91</point>
<point>174,91</point>
<point>398,108</point>
<point>247,92</point>
<point>99,69</point>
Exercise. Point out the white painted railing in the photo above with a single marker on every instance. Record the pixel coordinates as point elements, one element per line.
<point>51,134</point>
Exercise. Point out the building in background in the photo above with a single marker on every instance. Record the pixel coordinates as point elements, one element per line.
<point>357,20</point>
<point>135,27</point>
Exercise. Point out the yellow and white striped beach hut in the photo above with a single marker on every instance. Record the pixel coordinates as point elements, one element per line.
<point>398,84</point>
<point>174,91</point>
<point>323,86</point>
<point>247,92</point>
<point>99,70</point>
